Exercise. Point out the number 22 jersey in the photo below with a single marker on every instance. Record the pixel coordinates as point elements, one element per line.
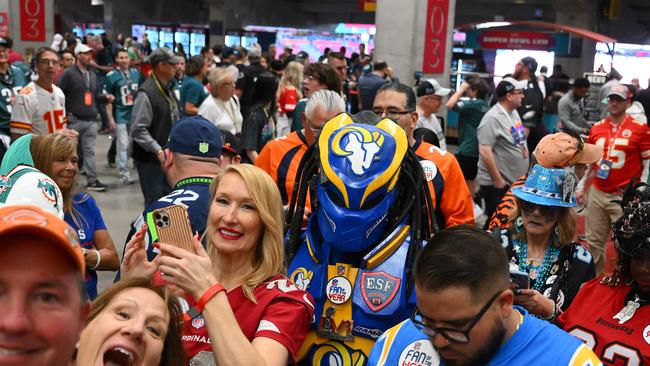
<point>591,318</point>
<point>38,111</point>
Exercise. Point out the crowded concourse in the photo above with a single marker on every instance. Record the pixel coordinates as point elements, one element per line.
<point>256,203</point>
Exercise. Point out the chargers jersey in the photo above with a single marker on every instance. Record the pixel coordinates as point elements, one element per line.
<point>535,343</point>
<point>38,111</point>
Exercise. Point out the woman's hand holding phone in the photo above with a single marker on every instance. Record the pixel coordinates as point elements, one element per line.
<point>135,263</point>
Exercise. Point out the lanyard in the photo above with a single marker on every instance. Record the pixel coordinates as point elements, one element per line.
<point>507,115</point>
<point>611,140</point>
<point>227,106</point>
<point>171,101</point>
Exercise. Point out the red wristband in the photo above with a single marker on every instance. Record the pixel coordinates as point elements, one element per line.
<point>207,296</point>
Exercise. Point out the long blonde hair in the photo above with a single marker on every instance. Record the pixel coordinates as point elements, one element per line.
<point>45,149</point>
<point>268,260</point>
<point>292,75</point>
<point>565,225</point>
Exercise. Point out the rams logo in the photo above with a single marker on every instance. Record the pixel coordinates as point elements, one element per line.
<point>360,147</point>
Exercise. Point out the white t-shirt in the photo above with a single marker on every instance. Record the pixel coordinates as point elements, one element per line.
<point>38,110</point>
<point>225,115</point>
<point>433,124</point>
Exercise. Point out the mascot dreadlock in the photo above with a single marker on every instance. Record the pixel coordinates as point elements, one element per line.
<point>371,210</point>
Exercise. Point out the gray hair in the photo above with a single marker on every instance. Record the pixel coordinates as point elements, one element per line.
<point>219,75</point>
<point>328,100</point>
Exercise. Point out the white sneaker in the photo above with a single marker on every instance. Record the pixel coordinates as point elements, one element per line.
<point>126,178</point>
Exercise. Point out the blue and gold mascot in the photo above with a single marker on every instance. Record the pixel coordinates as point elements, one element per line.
<point>370,217</point>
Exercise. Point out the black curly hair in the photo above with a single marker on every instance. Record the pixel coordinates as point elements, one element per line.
<point>632,230</point>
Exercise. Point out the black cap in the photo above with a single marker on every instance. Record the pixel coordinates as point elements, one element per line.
<point>581,83</point>
<point>229,51</point>
<point>229,143</point>
<point>530,63</point>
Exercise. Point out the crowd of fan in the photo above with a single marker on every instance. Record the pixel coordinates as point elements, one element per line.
<point>225,132</point>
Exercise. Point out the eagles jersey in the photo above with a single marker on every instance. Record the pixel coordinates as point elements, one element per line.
<point>123,86</point>
<point>449,193</point>
<point>38,111</point>
<point>11,84</point>
<point>535,342</point>
<point>282,313</point>
<point>591,318</point>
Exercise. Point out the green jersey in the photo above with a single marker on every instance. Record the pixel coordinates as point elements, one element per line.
<point>11,84</point>
<point>123,86</point>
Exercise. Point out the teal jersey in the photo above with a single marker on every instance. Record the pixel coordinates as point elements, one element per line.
<point>192,92</point>
<point>177,84</point>
<point>123,87</point>
<point>11,84</point>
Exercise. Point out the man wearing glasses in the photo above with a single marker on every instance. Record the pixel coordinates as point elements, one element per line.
<point>280,158</point>
<point>40,106</point>
<point>449,193</point>
<point>465,313</point>
<point>502,147</point>
<point>430,95</point>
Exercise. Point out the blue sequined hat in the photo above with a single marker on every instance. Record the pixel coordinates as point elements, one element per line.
<point>548,187</point>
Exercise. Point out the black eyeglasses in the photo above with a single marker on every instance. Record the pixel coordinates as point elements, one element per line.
<point>390,113</point>
<point>452,335</point>
<point>548,212</point>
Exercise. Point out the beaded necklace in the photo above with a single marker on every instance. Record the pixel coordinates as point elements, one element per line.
<point>521,248</point>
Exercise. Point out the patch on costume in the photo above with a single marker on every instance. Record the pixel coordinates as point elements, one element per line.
<point>430,169</point>
<point>378,289</point>
<point>301,277</point>
<point>419,353</point>
<point>339,290</point>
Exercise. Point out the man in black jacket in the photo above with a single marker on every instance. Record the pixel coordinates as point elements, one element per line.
<point>154,111</point>
<point>532,108</point>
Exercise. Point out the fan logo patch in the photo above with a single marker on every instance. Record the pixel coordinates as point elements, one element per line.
<point>204,147</point>
<point>378,289</point>
<point>198,322</point>
<point>626,133</point>
<point>429,168</point>
<point>419,353</point>
<point>338,290</point>
<point>301,277</point>
<point>646,334</point>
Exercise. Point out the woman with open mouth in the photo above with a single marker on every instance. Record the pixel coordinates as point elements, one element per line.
<point>547,267</point>
<point>132,323</point>
<point>611,313</point>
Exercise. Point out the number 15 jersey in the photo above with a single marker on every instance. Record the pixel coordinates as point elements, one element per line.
<point>38,110</point>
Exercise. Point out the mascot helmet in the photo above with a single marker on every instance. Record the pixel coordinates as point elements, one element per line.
<point>360,166</point>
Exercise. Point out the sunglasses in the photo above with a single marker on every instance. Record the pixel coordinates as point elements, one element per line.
<point>549,213</point>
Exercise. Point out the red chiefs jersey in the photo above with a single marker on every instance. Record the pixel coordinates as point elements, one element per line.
<point>449,192</point>
<point>590,318</point>
<point>626,146</point>
<point>282,313</point>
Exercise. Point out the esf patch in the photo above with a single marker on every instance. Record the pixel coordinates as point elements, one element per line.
<point>378,289</point>
<point>419,353</point>
<point>338,290</point>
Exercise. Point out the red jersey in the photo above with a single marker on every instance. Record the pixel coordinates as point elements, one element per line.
<point>288,99</point>
<point>626,146</point>
<point>590,318</point>
<point>449,192</point>
<point>280,159</point>
<point>282,313</point>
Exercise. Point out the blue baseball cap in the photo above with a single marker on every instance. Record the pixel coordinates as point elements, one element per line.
<point>195,136</point>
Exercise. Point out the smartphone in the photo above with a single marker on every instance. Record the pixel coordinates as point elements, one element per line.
<point>519,280</point>
<point>173,227</point>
